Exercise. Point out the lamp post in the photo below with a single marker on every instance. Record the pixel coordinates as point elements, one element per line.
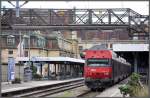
<point>28,37</point>
<point>149,49</point>
<point>0,50</point>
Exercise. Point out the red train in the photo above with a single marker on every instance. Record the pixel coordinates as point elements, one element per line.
<point>104,67</point>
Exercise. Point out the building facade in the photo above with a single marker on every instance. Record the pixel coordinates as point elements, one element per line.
<point>34,44</point>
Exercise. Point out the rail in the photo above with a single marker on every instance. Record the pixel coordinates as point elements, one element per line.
<point>44,90</point>
<point>50,91</point>
<point>114,41</point>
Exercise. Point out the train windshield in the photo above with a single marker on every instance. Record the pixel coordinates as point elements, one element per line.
<point>98,62</point>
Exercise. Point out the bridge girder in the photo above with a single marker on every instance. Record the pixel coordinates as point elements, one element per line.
<point>75,19</point>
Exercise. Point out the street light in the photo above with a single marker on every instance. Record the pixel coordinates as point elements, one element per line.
<point>29,63</point>
<point>0,57</point>
<point>149,49</point>
<point>26,36</point>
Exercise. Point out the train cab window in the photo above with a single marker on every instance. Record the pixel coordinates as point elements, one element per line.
<point>98,62</point>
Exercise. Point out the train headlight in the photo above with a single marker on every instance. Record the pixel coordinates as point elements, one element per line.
<point>106,73</point>
<point>88,78</point>
<point>93,70</point>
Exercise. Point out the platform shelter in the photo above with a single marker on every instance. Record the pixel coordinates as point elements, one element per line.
<point>56,68</point>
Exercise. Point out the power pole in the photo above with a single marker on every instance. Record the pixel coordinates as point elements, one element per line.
<point>149,52</point>
<point>0,52</point>
<point>17,6</point>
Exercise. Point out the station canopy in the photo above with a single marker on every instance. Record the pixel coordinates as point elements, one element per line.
<point>131,47</point>
<point>50,59</point>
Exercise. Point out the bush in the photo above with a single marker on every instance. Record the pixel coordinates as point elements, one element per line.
<point>37,76</point>
<point>16,80</point>
<point>133,87</point>
<point>125,89</point>
<point>34,69</point>
<point>135,76</point>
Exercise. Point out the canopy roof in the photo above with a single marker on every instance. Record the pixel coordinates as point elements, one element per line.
<point>51,59</point>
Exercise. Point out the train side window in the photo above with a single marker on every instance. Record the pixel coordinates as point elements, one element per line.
<point>85,63</point>
<point>110,62</point>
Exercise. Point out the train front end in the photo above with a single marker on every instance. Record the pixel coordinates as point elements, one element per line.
<point>98,69</point>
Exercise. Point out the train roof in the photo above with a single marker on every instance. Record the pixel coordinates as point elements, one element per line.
<point>99,47</point>
<point>119,58</point>
<point>114,55</point>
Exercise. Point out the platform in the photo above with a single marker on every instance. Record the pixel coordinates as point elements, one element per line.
<point>8,87</point>
<point>111,92</point>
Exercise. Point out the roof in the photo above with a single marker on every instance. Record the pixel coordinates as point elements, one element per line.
<point>51,59</point>
<point>99,47</point>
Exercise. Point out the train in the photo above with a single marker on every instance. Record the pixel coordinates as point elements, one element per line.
<point>103,68</point>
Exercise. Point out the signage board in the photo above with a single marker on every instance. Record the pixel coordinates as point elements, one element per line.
<point>11,68</point>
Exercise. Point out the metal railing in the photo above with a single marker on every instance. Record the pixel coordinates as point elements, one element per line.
<point>115,41</point>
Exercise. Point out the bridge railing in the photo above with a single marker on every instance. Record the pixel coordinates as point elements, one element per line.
<point>115,41</point>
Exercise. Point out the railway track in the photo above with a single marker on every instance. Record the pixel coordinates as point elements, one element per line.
<point>45,90</point>
<point>82,91</point>
<point>90,93</point>
<point>53,90</point>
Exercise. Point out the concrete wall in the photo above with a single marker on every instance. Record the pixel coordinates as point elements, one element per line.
<point>75,48</point>
<point>33,52</point>
<point>5,54</point>
<point>38,52</point>
<point>17,67</point>
<point>53,53</point>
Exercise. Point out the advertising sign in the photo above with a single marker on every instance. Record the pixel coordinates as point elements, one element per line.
<point>27,74</point>
<point>11,69</point>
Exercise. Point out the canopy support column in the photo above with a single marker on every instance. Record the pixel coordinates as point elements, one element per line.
<point>48,72</point>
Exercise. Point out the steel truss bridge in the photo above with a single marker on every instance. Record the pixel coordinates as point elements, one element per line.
<point>76,19</point>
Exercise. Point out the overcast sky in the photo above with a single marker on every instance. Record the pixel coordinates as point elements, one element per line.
<point>141,7</point>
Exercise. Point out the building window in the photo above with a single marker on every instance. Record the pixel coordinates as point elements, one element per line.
<point>10,40</point>
<point>26,42</point>
<point>111,46</point>
<point>41,42</point>
<point>10,52</point>
<point>80,48</point>
<point>55,44</point>
<point>26,54</point>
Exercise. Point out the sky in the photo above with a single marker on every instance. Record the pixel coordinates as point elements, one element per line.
<point>141,7</point>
